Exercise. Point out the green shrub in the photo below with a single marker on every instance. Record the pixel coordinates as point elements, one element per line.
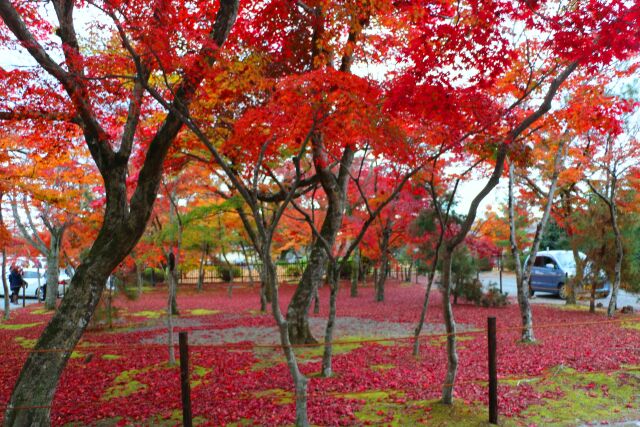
<point>493,297</point>
<point>228,272</point>
<point>294,270</point>
<point>158,275</point>
<point>470,290</point>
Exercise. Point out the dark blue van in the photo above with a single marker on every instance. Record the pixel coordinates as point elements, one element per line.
<point>552,269</point>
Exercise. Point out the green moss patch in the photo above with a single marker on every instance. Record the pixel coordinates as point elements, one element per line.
<point>26,342</point>
<point>632,324</point>
<point>150,314</point>
<point>382,367</point>
<point>41,311</point>
<point>268,357</point>
<point>203,312</point>
<point>389,407</point>
<point>173,419</point>
<point>586,397</point>
<point>277,395</point>
<point>111,356</point>
<point>125,384</point>
<point>197,374</point>
<point>18,326</point>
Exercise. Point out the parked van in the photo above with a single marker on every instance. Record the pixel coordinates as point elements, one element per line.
<point>552,269</point>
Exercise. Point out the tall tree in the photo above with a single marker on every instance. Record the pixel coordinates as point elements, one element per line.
<point>81,95</point>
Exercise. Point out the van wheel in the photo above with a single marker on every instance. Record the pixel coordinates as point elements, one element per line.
<point>37,293</point>
<point>531,292</point>
<point>562,291</point>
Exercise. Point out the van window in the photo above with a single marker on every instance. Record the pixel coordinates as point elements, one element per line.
<point>542,261</point>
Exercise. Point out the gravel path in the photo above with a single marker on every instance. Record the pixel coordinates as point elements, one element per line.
<point>345,327</point>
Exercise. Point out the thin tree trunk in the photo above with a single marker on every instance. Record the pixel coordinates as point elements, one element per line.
<point>526,333</point>
<point>170,312</point>
<point>139,280</point>
<point>423,312</point>
<point>316,303</point>
<point>355,272</point>
<point>199,287</point>
<point>525,277</point>
<point>5,286</point>
<point>263,296</point>
<point>576,282</point>
<point>328,336</point>
<point>450,325</point>
<point>269,276</point>
<point>335,189</point>
<point>619,255</point>
<point>384,263</point>
<point>53,270</point>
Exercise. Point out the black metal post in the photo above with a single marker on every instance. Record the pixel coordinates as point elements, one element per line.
<point>500,262</point>
<point>187,419</point>
<point>493,372</point>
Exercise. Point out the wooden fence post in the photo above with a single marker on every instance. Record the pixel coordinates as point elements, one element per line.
<point>493,372</point>
<point>187,419</point>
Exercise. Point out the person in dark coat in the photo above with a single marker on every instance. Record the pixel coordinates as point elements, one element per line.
<point>15,283</point>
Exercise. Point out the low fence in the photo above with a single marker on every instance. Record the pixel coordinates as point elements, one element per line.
<point>286,272</point>
<point>247,273</point>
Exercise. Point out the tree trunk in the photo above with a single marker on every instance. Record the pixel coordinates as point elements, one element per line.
<point>5,286</point>
<point>53,270</point>
<point>524,277</point>
<point>450,325</point>
<point>205,249</point>
<point>316,303</point>
<point>170,312</point>
<point>619,255</point>
<point>526,334</point>
<point>328,336</point>
<point>355,272</point>
<point>576,283</point>
<point>269,276</point>
<point>40,374</point>
<point>263,296</point>
<point>384,263</point>
<point>423,312</point>
<point>139,280</point>
<point>335,189</point>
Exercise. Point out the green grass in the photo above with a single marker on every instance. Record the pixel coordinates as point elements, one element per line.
<point>26,342</point>
<point>111,356</point>
<point>389,408</point>
<point>202,312</point>
<point>586,397</point>
<point>150,314</point>
<point>18,326</point>
<point>277,395</point>
<point>125,384</point>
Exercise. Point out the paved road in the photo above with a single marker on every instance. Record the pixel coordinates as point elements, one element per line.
<point>28,301</point>
<point>509,286</point>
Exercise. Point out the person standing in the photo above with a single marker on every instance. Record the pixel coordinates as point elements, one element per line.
<point>15,283</point>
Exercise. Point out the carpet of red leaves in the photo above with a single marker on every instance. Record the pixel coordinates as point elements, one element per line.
<point>231,388</point>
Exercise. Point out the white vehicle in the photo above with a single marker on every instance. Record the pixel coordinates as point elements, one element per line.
<point>63,281</point>
<point>34,279</point>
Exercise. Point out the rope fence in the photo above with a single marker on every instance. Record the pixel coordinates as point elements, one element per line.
<point>247,345</point>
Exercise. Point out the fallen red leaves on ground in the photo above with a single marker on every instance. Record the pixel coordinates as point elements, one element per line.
<point>115,375</point>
